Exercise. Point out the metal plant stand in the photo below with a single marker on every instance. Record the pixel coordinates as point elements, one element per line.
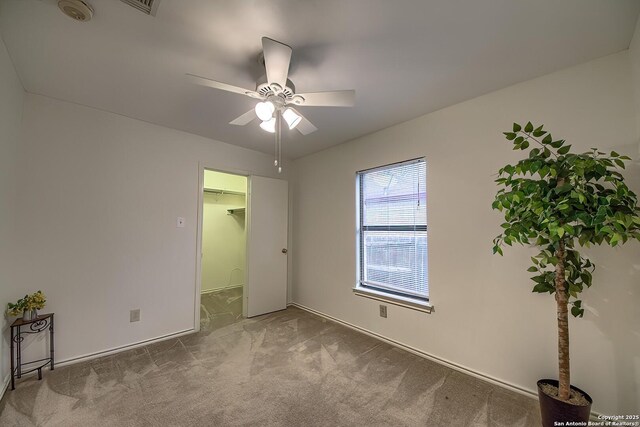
<point>35,326</point>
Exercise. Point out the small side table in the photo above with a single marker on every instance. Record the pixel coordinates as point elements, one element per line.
<point>35,326</point>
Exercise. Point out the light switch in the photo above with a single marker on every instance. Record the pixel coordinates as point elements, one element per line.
<point>180,222</point>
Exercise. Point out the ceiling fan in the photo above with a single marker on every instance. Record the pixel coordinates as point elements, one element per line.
<point>277,96</point>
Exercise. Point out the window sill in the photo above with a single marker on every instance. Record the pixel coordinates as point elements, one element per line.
<point>407,302</point>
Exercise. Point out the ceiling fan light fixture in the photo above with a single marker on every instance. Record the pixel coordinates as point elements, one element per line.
<point>291,117</point>
<point>264,110</point>
<point>269,125</point>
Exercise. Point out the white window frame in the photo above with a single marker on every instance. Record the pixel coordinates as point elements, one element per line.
<point>379,293</point>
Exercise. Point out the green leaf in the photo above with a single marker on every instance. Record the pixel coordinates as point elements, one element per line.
<point>615,239</point>
<point>614,154</point>
<point>564,188</point>
<point>510,135</point>
<point>538,279</point>
<point>534,167</point>
<point>528,127</point>
<point>532,269</point>
<point>583,240</point>
<point>564,150</point>
<point>606,229</point>
<point>619,163</point>
<point>557,144</point>
<point>547,139</point>
<point>516,127</point>
<point>537,132</point>
<point>542,288</point>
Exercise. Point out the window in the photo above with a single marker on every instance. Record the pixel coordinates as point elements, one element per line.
<point>392,231</point>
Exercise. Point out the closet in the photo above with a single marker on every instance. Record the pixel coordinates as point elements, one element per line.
<point>223,248</point>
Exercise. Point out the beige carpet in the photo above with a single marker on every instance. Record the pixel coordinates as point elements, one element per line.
<point>289,368</point>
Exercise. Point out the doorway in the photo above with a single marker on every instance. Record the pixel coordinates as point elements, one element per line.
<point>241,266</point>
<point>224,249</point>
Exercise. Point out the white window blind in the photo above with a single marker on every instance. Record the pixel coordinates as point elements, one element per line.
<point>393,229</point>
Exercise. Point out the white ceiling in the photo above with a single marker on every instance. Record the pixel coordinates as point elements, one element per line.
<point>404,58</point>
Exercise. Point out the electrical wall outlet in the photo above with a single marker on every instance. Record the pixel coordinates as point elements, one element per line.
<point>134,315</point>
<point>383,311</point>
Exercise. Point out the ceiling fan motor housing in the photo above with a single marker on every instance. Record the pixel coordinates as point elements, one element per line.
<point>76,9</point>
<point>265,89</point>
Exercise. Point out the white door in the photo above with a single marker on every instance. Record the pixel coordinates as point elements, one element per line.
<point>267,220</point>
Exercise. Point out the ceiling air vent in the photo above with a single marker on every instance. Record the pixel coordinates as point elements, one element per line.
<point>147,6</point>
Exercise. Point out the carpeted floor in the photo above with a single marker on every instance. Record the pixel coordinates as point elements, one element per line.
<point>221,308</point>
<point>289,368</point>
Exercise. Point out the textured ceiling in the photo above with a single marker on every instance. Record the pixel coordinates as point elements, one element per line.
<point>404,58</point>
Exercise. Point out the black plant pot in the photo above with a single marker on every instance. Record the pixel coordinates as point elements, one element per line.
<point>554,410</point>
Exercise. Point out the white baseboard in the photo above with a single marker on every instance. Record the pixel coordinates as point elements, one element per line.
<point>418,352</point>
<point>210,291</point>
<point>5,385</point>
<point>526,392</point>
<point>595,416</point>
<point>102,353</point>
<point>115,350</point>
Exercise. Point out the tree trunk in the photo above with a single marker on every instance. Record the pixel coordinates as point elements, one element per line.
<point>563,325</point>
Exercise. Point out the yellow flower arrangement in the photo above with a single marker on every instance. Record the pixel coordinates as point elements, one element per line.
<point>35,301</point>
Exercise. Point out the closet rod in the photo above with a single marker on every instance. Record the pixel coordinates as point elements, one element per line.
<point>217,191</point>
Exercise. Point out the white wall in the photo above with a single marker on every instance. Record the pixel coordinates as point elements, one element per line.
<point>225,181</point>
<point>11,99</point>
<point>224,243</point>
<point>634,53</point>
<point>99,196</point>
<point>486,317</point>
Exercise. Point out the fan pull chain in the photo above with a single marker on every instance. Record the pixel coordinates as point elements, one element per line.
<point>278,161</point>
<point>275,162</point>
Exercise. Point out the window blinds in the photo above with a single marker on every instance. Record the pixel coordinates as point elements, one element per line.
<point>393,229</point>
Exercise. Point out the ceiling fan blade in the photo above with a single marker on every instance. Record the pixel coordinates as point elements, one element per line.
<point>203,81</point>
<point>305,127</point>
<point>338,98</point>
<point>277,57</point>
<point>244,119</point>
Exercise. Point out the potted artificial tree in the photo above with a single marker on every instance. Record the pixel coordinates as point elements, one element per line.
<point>557,201</point>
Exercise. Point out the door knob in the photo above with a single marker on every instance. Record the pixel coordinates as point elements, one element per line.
<point>284,250</point>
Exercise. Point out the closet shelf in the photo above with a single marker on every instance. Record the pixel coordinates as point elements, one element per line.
<point>235,211</point>
<point>223,192</point>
